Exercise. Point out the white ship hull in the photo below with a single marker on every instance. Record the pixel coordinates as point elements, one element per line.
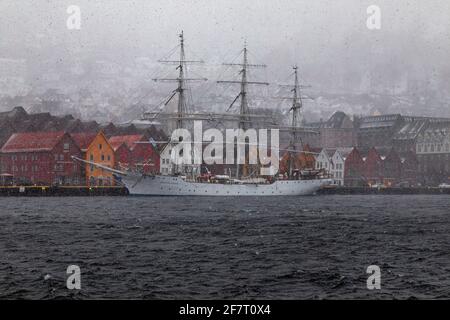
<point>177,186</point>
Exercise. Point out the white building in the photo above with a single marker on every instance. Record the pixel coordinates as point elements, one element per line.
<point>323,159</point>
<point>338,165</point>
<point>333,161</point>
<point>168,166</point>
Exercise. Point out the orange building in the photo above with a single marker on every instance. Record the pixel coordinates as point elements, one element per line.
<point>99,151</point>
<point>301,160</point>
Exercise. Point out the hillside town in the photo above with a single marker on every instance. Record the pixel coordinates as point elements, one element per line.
<point>379,150</point>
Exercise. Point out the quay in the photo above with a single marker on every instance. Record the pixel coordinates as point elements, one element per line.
<point>62,191</point>
<point>383,191</point>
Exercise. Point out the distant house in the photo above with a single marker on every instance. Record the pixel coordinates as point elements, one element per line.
<point>392,166</point>
<point>101,152</point>
<point>410,169</point>
<point>323,159</point>
<point>333,161</point>
<point>373,167</point>
<point>143,155</point>
<point>338,165</point>
<point>337,132</point>
<point>42,158</point>
<point>354,169</point>
<point>122,155</point>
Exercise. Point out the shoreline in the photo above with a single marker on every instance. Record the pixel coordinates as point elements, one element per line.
<point>119,191</point>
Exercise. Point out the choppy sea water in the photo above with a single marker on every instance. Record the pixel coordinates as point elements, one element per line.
<point>232,248</point>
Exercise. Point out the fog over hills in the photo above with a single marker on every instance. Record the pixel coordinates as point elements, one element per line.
<point>103,71</point>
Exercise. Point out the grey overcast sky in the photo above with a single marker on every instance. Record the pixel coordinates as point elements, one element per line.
<point>215,25</point>
<point>318,34</point>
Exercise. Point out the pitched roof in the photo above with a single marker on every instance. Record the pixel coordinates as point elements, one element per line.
<point>117,144</point>
<point>83,140</point>
<point>129,140</point>
<point>411,129</point>
<point>381,121</point>
<point>32,141</point>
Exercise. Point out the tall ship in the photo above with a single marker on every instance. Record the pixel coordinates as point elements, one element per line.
<point>195,180</point>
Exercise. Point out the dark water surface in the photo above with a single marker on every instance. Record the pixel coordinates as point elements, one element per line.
<point>166,248</point>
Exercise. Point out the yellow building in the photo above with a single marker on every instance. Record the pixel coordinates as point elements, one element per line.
<point>99,151</point>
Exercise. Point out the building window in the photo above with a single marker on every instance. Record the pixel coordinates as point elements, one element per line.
<point>66,147</point>
<point>91,157</point>
<point>103,157</point>
<point>100,146</point>
<point>109,158</point>
<point>61,157</point>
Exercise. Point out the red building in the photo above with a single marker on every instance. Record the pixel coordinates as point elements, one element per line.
<point>410,169</point>
<point>143,155</point>
<point>83,141</point>
<point>373,167</point>
<point>41,158</point>
<point>354,174</point>
<point>122,154</point>
<point>392,169</point>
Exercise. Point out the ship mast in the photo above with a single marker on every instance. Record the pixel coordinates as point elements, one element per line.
<point>182,81</point>
<point>296,108</point>
<point>295,126</point>
<point>181,110</point>
<point>244,114</point>
<point>181,89</point>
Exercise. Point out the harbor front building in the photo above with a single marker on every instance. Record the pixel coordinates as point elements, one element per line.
<point>40,158</point>
<point>101,152</point>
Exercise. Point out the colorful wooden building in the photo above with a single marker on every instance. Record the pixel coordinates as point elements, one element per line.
<point>141,155</point>
<point>373,167</point>
<point>392,165</point>
<point>41,158</point>
<point>100,151</point>
<point>354,175</point>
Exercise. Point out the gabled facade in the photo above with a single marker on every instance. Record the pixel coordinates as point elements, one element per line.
<point>338,165</point>
<point>143,155</point>
<point>122,156</point>
<point>354,169</point>
<point>410,169</point>
<point>323,160</point>
<point>392,169</point>
<point>101,152</point>
<point>373,167</point>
